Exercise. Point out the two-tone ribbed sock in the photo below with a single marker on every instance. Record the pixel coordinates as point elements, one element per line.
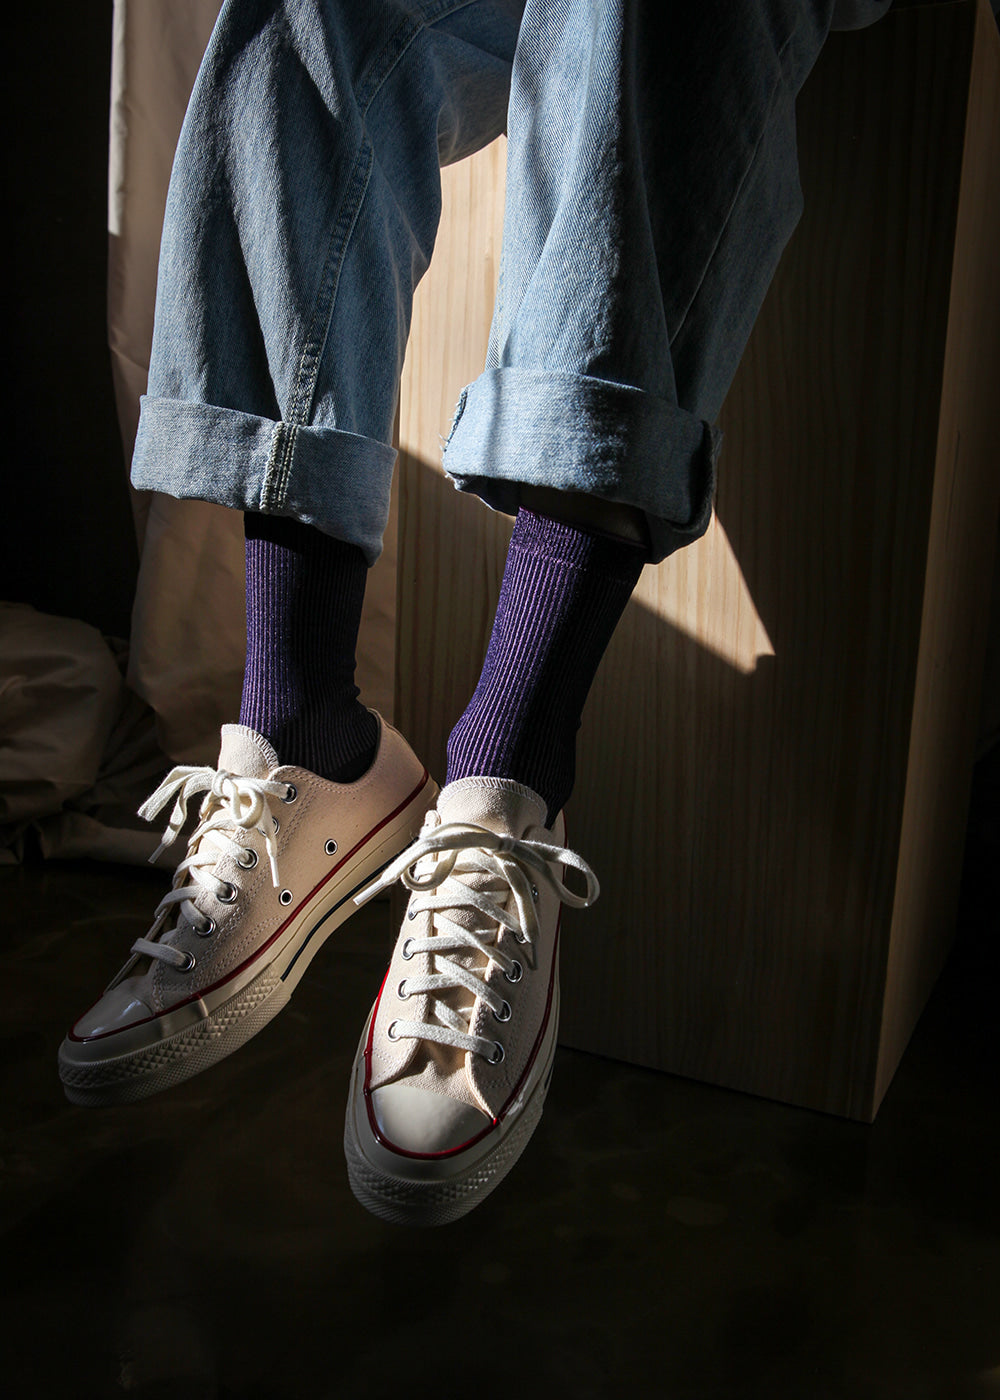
<point>304,592</point>
<point>563,592</point>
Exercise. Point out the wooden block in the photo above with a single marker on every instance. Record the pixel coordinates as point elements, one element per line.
<point>956,602</point>
<point>775,760</point>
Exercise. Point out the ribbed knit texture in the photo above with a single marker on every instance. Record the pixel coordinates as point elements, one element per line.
<point>563,592</point>
<point>304,592</point>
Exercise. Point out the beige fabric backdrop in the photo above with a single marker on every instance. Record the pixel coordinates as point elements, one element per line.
<point>188,633</point>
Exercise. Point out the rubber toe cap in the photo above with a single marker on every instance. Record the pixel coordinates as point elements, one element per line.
<point>417,1119</point>
<point>117,1008</point>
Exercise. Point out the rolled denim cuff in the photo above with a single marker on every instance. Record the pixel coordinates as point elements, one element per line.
<point>339,482</point>
<point>576,433</point>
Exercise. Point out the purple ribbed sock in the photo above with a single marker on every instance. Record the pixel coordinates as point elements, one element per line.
<point>304,596</point>
<point>563,591</point>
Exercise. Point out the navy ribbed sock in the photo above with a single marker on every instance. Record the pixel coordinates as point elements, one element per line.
<point>304,596</point>
<point>563,592</point>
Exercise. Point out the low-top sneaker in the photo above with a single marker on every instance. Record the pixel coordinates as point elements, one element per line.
<point>455,1059</point>
<point>270,871</point>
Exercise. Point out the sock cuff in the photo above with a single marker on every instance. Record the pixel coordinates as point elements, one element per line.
<point>304,594</point>
<point>286,533</point>
<point>555,541</point>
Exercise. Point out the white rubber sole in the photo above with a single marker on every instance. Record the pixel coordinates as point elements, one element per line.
<point>413,1191</point>
<point>152,1056</point>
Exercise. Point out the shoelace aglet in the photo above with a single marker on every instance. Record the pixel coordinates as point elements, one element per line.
<point>273,862</point>
<point>381,882</point>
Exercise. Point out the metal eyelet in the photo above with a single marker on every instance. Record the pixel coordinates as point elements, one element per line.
<point>227,895</point>
<point>406,952</point>
<point>285,897</point>
<point>389,1030</point>
<point>275,823</point>
<point>411,913</point>
<point>516,972</point>
<point>497,1057</point>
<point>250,862</point>
<point>534,893</point>
<point>291,794</point>
<point>504,1013</point>
<point>401,991</point>
<point>206,929</point>
<point>331,848</point>
<point>191,961</point>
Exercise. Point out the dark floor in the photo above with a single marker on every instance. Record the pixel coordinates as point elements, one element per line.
<point>659,1237</point>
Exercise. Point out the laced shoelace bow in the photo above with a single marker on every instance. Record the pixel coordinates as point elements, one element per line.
<point>231,802</point>
<point>431,869</point>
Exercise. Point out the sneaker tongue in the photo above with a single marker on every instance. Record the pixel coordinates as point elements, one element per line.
<point>510,809</point>
<point>499,804</point>
<point>246,753</point>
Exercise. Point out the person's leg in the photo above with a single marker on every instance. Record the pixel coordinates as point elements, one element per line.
<point>652,184</point>
<point>304,592</point>
<point>302,211</point>
<point>563,592</point>
<point>639,241</point>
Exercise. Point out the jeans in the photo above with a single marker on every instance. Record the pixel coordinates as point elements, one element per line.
<point>652,184</point>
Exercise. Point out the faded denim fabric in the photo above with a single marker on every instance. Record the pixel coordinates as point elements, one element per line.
<point>652,184</point>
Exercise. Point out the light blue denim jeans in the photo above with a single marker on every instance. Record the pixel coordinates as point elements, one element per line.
<point>652,183</point>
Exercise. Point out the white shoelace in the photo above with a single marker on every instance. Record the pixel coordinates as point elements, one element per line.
<point>432,868</point>
<point>232,802</point>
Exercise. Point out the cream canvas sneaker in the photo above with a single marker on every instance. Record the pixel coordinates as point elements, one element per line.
<point>269,873</point>
<point>455,1060</point>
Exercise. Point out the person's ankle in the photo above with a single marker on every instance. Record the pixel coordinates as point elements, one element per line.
<point>612,520</point>
<point>340,748</point>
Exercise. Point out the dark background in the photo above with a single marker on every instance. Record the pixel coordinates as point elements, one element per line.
<point>67,544</point>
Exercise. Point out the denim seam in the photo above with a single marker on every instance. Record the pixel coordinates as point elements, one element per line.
<point>772,100</point>
<point>279,461</point>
